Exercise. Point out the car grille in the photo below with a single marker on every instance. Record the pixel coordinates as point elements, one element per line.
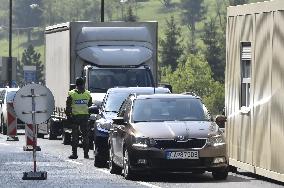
<point>172,144</point>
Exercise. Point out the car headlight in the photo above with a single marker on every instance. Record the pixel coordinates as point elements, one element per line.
<point>215,140</point>
<point>143,142</point>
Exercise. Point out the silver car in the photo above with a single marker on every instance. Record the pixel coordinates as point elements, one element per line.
<point>7,95</point>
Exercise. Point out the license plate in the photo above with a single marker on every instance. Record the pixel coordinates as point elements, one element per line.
<point>182,155</point>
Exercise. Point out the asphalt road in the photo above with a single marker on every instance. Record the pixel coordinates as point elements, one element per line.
<point>62,172</point>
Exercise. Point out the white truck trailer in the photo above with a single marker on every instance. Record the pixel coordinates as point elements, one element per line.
<point>107,54</point>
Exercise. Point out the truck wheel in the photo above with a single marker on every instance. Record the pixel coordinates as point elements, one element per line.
<point>51,130</point>
<point>66,137</point>
<point>220,175</point>
<point>113,168</point>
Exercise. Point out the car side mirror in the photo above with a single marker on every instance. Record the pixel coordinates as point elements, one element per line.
<point>220,120</point>
<point>93,109</point>
<point>118,121</point>
<point>165,85</point>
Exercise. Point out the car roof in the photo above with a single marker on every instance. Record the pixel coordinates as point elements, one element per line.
<point>165,96</point>
<point>142,90</point>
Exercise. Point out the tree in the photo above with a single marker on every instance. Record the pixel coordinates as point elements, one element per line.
<point>25,16</point>
<point>194,75</point>
<point>238,2</point>
<point>193,11</point>
<point>171,48</point>
<point>31,58</point>
<point>130,17</point>
<point>214,51</point>
<point>166,3</point>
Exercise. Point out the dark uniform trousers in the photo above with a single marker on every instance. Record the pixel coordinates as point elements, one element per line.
<point>80,123</point>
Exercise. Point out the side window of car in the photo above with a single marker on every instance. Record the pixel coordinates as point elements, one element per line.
<point>122,109</point>
<point>2,95</point>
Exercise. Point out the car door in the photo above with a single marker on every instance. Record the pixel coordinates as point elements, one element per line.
<point>116,132</point>
<point>122,129</point>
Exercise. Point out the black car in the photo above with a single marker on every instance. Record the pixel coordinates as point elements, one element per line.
<point>168,133</point>
<point>108,110</point>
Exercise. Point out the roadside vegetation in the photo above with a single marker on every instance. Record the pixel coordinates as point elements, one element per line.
<point>191,36</point>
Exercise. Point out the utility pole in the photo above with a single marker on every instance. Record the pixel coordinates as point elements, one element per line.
<point>102,10</point>
<point>10,47</point>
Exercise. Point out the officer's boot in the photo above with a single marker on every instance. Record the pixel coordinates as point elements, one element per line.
<point>74,154</point>
<point>86,154</point>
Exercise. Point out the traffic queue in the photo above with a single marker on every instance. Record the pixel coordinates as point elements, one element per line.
<point>144,130</point>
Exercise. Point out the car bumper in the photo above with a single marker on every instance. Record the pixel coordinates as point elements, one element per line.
<point>155,159</point>
<point>102,133</point>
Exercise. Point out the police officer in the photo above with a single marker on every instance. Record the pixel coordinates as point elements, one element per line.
<point>77,104</point>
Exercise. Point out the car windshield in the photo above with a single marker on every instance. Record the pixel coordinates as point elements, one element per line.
<point>114,101</point>
<point>169,109</point>
<point>10,96</point>
<point>100,80</point>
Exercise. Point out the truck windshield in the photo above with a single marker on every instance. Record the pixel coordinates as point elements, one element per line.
<point>100,80</point>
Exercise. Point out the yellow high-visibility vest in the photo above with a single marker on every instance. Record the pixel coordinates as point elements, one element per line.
<point>79,102</point>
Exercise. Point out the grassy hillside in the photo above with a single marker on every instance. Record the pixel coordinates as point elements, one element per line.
<point>146,11</point>
<point>20,43</point>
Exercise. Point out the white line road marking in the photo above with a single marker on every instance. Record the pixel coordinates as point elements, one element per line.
<point>139,182</point>
<point>104,171</point>
<point>71,161</point>
<point>4,144</point>
<point>148,184</point>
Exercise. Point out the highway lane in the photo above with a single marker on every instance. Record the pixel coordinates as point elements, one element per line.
<point>62,172</point>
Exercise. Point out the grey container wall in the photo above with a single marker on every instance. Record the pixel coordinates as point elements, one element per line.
<point>255,138</point>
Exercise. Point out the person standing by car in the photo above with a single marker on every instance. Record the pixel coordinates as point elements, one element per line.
<point>77,104</point>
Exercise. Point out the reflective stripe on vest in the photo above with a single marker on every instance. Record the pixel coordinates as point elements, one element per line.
<point>79,102</point>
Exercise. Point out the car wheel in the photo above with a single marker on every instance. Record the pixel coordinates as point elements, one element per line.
<point>233,169</point>
<point>66,137</point>
<point>3,126</point>
<point>127,171</point>
<point>99,161</point>
<point>40,135</point>
<point>113,168</point>
<point>220,175</point>
<point>91,141</point>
